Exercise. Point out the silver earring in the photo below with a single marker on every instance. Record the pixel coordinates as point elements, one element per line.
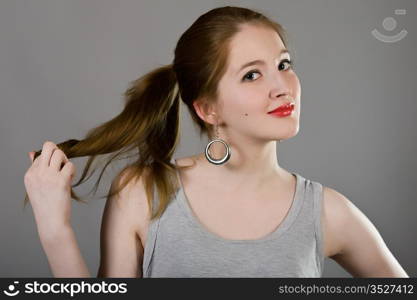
<point>223,159</point>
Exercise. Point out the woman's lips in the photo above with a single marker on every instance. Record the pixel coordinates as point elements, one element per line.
<point>283,110</point>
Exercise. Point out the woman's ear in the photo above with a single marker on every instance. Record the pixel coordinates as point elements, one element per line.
<point>205,111</point>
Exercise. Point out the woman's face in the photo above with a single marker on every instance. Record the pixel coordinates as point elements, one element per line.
<point>247,94</point>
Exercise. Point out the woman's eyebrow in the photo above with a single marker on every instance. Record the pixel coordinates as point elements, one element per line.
<point>258,61</point>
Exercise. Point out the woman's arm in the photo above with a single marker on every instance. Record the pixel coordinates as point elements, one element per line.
<point>124,218</point>
<point>48,185</point>
<point>121,249</point>
<point>360,248</point>
<point>63,253</point>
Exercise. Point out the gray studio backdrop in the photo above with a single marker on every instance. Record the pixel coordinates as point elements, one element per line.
<point>65,64</point>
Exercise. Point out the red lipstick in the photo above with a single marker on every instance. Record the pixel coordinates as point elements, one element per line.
<point>283,110</point>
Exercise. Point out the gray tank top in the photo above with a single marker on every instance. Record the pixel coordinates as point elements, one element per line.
<point>179,245</point>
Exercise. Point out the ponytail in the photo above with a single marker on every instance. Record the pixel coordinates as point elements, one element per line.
<point>148,123</point>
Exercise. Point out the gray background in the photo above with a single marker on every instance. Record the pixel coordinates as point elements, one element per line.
<point>65,64</point>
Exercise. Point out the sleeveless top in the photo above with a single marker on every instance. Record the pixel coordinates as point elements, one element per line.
<point>179,245</point>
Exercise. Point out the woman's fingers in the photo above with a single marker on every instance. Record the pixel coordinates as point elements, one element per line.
<point>47,150</point>
<point>57,159</point>
<point>68,170</point>
<point>51,156</point>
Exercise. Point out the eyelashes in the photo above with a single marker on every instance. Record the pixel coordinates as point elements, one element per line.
<point>289,63</point>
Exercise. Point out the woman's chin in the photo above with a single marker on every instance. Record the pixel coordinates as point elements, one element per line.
<point>290,134</point>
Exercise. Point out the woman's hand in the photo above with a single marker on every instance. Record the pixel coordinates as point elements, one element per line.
<point>49,188</point>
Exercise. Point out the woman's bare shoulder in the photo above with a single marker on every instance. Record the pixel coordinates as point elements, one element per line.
<point>353,241</point>
<point>133,199</point>
<point>123,225</point>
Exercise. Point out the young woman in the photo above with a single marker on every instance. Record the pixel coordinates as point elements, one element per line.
<point>230,211</point>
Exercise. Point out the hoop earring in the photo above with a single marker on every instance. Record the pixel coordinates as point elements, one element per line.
<point>222,160</point>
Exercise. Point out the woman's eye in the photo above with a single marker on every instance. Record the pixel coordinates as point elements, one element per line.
<point>281,66</point>
<point>289,62</point>
<point>249,77</point>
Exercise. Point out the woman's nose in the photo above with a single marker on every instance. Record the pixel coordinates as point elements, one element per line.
<point>280,91</point>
